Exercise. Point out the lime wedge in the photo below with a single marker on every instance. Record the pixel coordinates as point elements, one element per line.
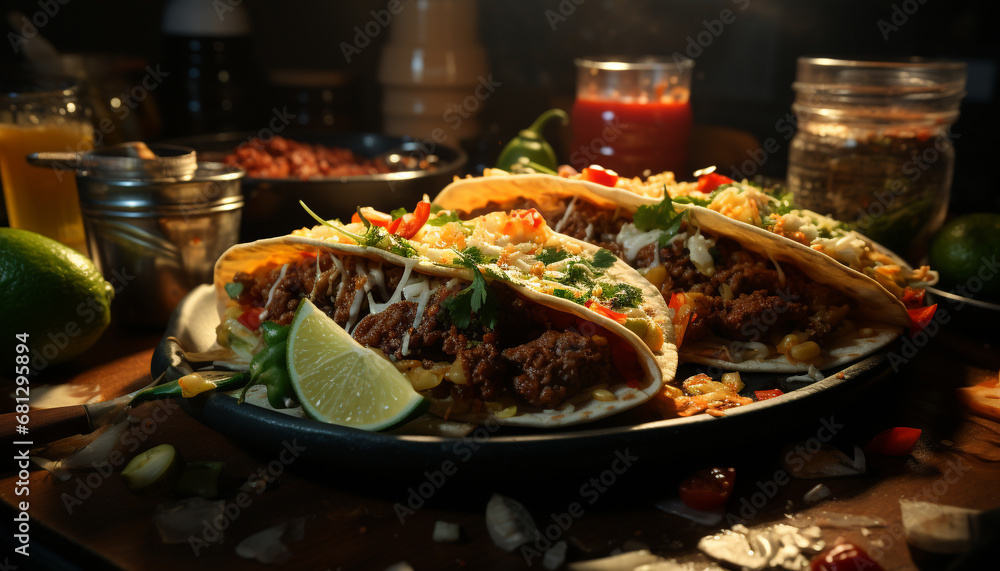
<point>338,380</point>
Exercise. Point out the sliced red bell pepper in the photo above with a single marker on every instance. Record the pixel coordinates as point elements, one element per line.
<point>626,362</point>
<point>606,312</point>
<point>897,441</point>
<point>711,181</point>
<point>600,175</point>
<point>768,394</point>
<point>683,314</point>
<point>374,216</point>
<point>408,225</point>
<point>913,298</point>
<point>251,318</point>
<point>920,317</point>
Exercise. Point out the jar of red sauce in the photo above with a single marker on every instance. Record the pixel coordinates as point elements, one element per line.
<point>632,114</point>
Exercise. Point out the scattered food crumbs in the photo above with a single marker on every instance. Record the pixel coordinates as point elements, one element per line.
<point>555,556</point>
<point>445,532</point>
<point>804,461</point>
<point>759,548</point>
<point>836,520</point>
<point>818,493</point>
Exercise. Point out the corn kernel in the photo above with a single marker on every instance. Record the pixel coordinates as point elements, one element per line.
<point>804,351</point>
<point>604,395</point>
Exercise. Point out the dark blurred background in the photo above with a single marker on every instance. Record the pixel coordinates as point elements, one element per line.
<point>743,77</point>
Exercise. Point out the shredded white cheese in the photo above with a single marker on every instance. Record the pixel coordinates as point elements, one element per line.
<point>781,274</point>
<point>565,217</point>
<point>396,295</point>
<point>632,240</point>
<point>270,294</point>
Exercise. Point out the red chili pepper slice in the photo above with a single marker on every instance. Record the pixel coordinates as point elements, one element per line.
<point>408,225</point>
<point>624,358</point>
<point>769,394</point>
<point>913,298</point>
<point>920,317</point>
<point>897,441</point>
<point>600,175</point>
<point>251,318</point>
<point>844,557</point>
<point>711,181</point>
<point>708,489</point>
<point>683,314</point>
<point>606,312</point>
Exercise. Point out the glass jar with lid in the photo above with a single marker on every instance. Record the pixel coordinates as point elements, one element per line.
<point>874,145</point>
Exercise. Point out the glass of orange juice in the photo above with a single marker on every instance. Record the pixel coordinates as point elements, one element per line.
<point>43,115</point>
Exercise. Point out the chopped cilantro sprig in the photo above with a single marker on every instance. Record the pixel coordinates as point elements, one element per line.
<point>374,236</point>
<point>661,216</point>
<point>474,299</point>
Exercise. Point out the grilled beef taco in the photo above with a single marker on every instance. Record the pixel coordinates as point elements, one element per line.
<point>742,298</point>
<point>493,318</point>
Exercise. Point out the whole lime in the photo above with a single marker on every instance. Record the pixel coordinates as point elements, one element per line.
<point>966,253</point>
<point>52,299</point>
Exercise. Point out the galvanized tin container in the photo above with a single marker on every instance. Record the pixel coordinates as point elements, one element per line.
<point>157,237</point>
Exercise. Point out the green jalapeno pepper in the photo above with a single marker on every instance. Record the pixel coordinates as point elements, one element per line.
<point>529,147</point>
<point>269,367</point>
<point>226,381</point>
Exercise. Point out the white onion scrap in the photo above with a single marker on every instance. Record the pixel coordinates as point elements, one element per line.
<point>266,546</point>
<point>509,523</point>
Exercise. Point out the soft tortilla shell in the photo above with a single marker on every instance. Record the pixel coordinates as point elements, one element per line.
<point>873,300</point>
<point>243,257</point>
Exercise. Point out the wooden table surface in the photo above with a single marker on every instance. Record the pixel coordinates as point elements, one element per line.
<point>352,523</point>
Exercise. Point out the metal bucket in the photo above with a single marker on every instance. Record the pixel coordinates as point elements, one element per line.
<point>157,238</point>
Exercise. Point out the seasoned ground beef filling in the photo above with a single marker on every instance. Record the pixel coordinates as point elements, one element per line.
<point>523,356</point>
<point>557,365</point>
<point>756,287</point>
